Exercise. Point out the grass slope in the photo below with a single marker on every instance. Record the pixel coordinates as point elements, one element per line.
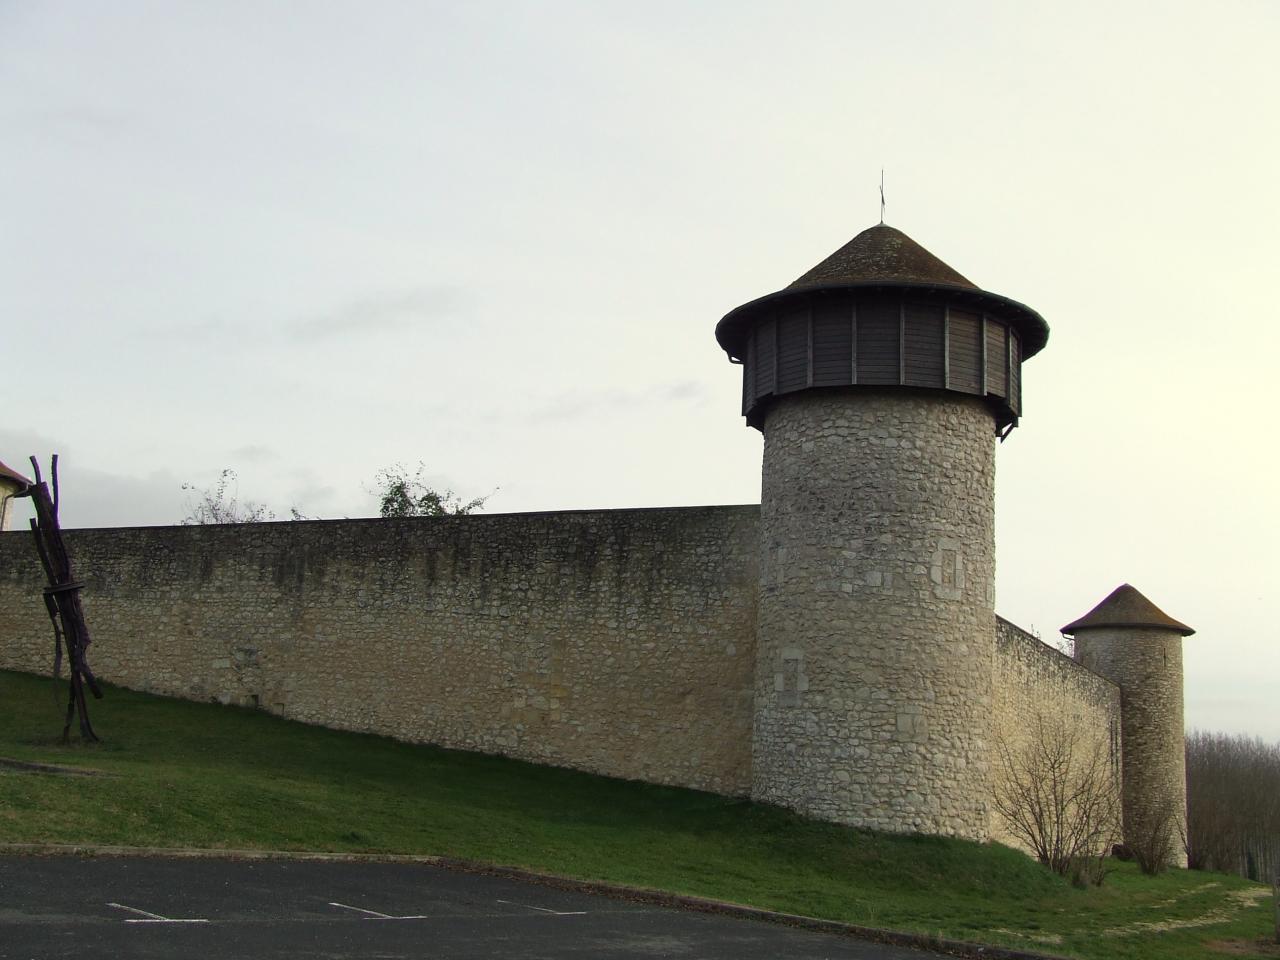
<point>187,774</point>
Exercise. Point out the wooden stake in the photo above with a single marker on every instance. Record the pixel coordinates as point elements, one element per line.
<point>62,599</point>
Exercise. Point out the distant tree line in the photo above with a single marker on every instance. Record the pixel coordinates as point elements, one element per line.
<point>1233,804</point>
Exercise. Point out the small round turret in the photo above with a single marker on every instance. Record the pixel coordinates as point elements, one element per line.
<point>1136,645</point>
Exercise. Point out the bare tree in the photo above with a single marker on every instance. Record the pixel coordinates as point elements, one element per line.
<point>1058,793</point>
<point>221,504</point>
<point>1233,804</point>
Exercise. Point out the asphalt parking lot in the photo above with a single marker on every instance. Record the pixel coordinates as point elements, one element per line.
<point>216,909</point>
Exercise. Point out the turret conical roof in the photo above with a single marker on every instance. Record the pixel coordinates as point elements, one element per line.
<point>1127,607</point>
<point>884,257</point>
<point>881,254</point>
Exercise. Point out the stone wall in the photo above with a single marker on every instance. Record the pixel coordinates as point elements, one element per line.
<point>876,638</point>
<point>620,642</point>
<point>1042,692</point>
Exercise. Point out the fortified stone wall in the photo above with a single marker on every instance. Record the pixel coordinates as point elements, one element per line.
<point>1040,692</point>
<point>620,642</point>
<point>876,641</point>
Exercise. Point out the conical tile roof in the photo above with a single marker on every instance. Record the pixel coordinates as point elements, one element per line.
<point>1127,607</point>
<point>881,254</point>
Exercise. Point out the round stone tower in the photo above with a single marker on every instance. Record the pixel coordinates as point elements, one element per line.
<point>879,379</point>
<point>1137,646</point>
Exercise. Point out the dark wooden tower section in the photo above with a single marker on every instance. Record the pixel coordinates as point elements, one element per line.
<point>883,312</point>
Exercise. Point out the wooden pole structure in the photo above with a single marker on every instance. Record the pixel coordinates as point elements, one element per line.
<point>62,600</point>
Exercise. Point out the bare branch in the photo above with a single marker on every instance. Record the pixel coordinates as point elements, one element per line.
<point>1057,794</point>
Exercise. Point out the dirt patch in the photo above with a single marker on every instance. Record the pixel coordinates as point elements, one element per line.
<point>1245,948</point>
<point>1250,895</point>
<point>1049,939</point>
<point>30,766</point>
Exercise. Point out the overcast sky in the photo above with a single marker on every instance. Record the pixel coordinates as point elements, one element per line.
<point>307,241</point>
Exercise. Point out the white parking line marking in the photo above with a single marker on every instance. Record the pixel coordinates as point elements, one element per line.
<point>375,915</point>
<point>372,913</point>
<point>150,917</point>
<point>556,913</point>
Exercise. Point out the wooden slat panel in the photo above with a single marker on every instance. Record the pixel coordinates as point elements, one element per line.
<point>765,358</point>
<point>965,351</point>
<point>997,357</point>
<point>809,360</point>
<point>917,344</point>
<point>832,345</point>
<point>1015,372</point>
<point>878,340</point>
<point>922,345</point>
<point>793,351</point>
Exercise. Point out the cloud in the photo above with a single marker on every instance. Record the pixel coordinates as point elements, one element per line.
<point>100,499</point>
<point>210,331</point>
<point>574,405</point>
<point>380,313</point>
<point>17,445</point>
<point>310,494</point>
<point>253,453</point>
<point>690,390</point>
<point>385,312</point>
<point>94,498</point>
<point>79,122</point>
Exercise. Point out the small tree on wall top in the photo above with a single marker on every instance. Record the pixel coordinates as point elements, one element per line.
<point>221,503</point>
<point>401,494</point>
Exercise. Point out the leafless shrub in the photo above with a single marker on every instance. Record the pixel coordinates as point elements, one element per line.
<point>1058,793</point>
<point>221,503</point>
<point>1155,842</point>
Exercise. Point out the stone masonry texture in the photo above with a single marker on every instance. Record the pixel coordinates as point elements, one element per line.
<point>618,642</point>
<point>876,637</point>
<point>621,642</point>
<point>1147,664</point>
<point>1038,688</point>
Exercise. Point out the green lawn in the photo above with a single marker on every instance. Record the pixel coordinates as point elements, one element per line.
<point>186,774</point>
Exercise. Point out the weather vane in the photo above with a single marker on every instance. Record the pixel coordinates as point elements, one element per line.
<point>882,194</point>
